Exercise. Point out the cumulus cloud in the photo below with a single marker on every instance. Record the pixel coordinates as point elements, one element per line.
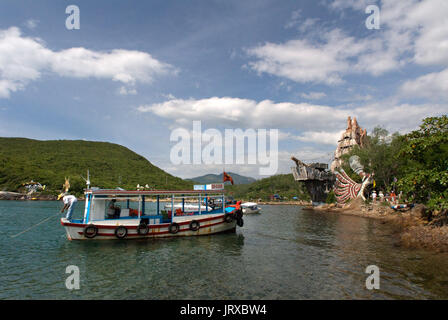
<point>31,23</point>
<point>354,4</point>
<point>411,32</point>
<point>317,123</point>
<point>313,95</point>
<point>304,61</point>
<point>236,112</point>
<point>433,85</point>
<point>24,59</point>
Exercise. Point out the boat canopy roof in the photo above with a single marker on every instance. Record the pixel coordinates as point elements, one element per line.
<point>116,192</point>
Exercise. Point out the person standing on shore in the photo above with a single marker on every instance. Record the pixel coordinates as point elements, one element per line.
<point>393,197</point>
<point>69,204</point>
<point>381,195</point>
<point>374,196</point>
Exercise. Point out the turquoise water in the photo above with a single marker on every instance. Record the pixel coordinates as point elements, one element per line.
<point>283,253</point>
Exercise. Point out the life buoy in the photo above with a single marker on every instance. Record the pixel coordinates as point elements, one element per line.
<point>240,222</point>
<point>173,228</point>
<point>90,231</point>
<point>142,229</point>
<point>121,232</point>
<point>228,217</point>
<point>194,225</point>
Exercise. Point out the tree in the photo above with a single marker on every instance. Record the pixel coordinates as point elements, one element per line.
<point>424,174</point>
<point>379,156</point>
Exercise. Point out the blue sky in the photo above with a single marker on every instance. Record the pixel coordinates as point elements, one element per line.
<point>136,70</point>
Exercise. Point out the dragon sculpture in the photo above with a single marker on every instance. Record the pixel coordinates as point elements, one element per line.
<point>345,188</point>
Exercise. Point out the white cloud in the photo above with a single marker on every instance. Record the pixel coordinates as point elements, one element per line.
<point>31,23</point>
<point>23,59</point>
<point>313,95</point>
<point>421,24</point>
<point>396,117</point>
<point>294,20</point>
<point>245,113</point>
<point>327,60</point>
<point>354,4</point>
<point>317,137</point>
<point>411,32</point>
<point>302,60</point>
<point>320,137</point>
<point>318,123</point>
<point>126,91</point>
<point>433,85</point>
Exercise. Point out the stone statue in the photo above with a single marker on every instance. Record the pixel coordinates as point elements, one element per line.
<point>345,188</point>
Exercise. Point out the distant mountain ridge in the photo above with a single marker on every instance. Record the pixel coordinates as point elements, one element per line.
<point>214,178</point>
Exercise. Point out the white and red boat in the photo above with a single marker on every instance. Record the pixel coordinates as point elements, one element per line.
<point>134,218</point>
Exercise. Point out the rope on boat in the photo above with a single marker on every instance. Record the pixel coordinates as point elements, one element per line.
<point>26,230</point>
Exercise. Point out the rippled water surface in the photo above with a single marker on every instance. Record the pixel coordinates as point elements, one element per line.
<point>283,253</point>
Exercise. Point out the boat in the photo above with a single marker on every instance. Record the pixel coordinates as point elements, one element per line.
<point>136,219</point>
<point>250,207</point>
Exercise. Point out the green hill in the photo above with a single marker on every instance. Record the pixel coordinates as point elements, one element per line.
<point>48,162</point>
<point>283,184</point>
<point>213,178</point>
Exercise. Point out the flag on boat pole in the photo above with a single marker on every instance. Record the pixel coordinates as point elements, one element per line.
<point>226,177</point>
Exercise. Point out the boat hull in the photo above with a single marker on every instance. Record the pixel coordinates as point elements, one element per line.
<point>208,224</point>
<point>250,211</point>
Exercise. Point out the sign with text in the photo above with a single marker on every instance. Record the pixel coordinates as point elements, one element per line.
<point>213,186</point>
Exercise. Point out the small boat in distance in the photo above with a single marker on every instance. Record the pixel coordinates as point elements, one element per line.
<point>250,207</point>
<point>121,214</point>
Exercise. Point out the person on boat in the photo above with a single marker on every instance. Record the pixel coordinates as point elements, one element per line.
<point>69,204</point>
<point>113,212</point>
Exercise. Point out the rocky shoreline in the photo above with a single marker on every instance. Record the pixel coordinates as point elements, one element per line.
<point>416,228</point>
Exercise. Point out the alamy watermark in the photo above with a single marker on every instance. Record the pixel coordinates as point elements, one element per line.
<point>373,280</point>
<point>189,147</point>
<point>373,21</point>
<point>72,281</point>
<point>73,20</point>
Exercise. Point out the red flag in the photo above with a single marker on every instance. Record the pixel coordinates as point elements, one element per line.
<point>226,177</point>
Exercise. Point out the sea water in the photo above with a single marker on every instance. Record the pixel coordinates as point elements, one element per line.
<point>282,253</point>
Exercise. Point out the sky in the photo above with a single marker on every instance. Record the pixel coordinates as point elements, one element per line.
<point>135,71</point>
